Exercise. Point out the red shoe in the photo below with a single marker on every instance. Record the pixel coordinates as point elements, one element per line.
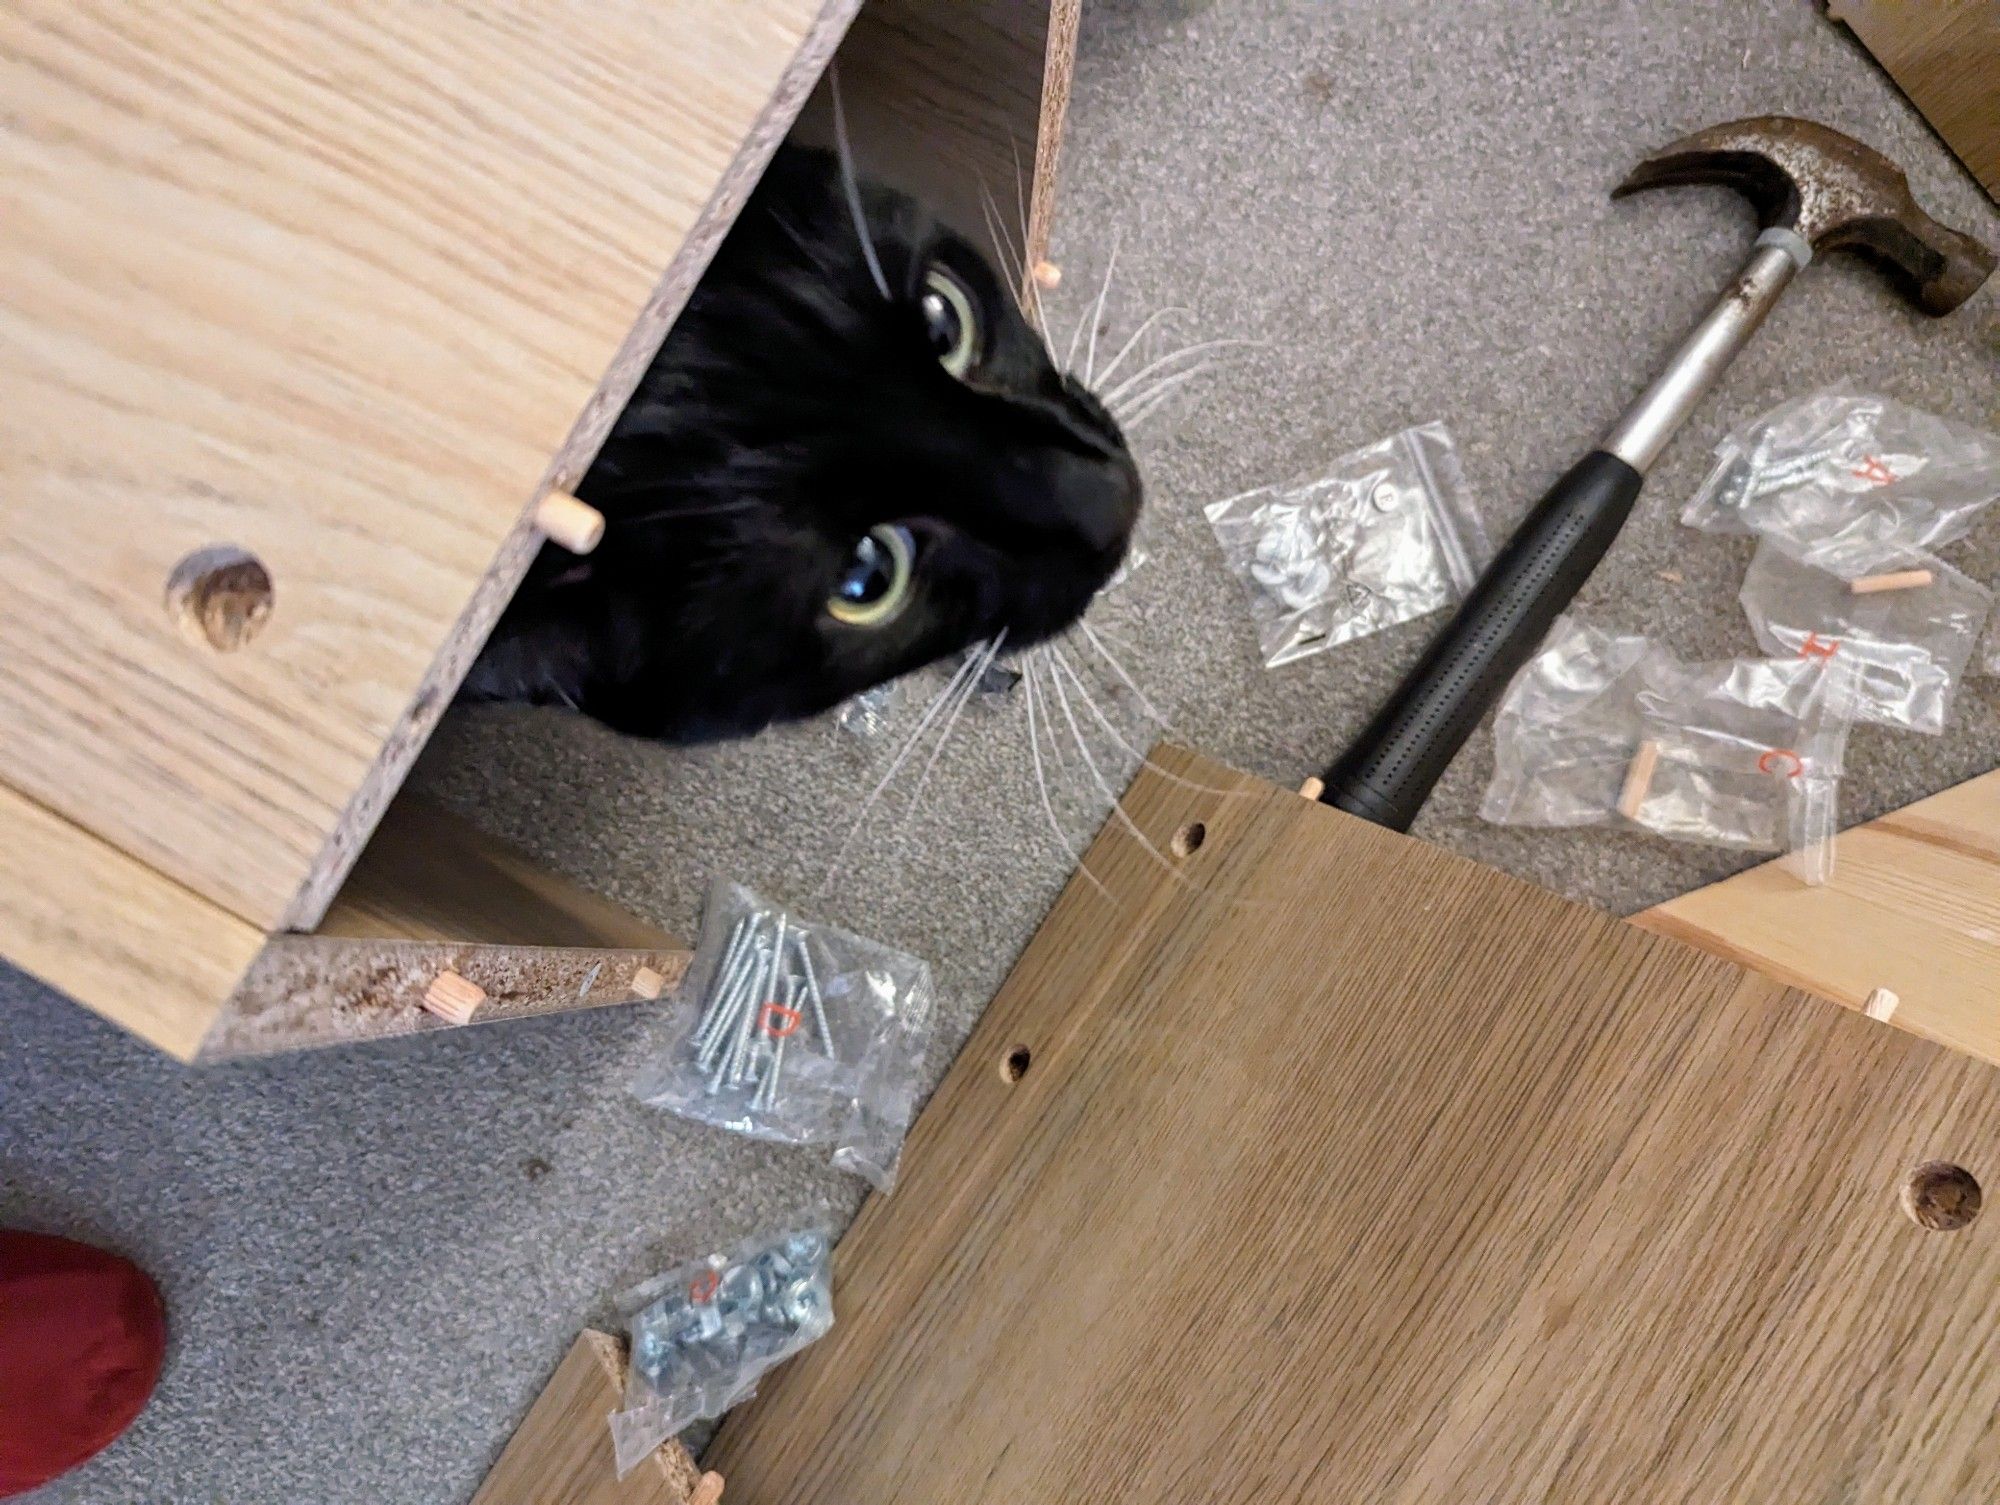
<point>82,1334</point>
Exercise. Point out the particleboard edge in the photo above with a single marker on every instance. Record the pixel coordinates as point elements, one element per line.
<point>561,1452</point>
<point>131,945</point>
<point>1913,907</point>
<point>306,991</point>
<point>497,586</point>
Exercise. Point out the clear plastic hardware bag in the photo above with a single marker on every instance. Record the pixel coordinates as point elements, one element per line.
<point>1746,753</point>
<point>1600,729</point>
<point>1568,728</point>
<point>796,1032</point>
<point>1840,464</point>
<point>702,1333</point>
<point>1904,620</point>
<point>1385,534</point>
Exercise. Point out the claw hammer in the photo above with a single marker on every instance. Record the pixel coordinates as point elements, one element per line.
<point>1814,190</point>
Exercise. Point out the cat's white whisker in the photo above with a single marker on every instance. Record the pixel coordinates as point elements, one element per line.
<point>849,183</point>
<point>1097,314</point>
<point>1003,238</point>
<point>1042,780</point>
<point>982,658</point>
<point>1132,383</point>
<point>1137,413</point>
<point>910,745</point>
<point>1060,665</point>
<point>1138,334</point>
<point>1097,776</point>
<point>1003,242</point>
<point>1091,636</point>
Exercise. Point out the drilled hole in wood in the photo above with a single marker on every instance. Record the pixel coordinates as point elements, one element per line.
<point>220,596</point>
<point>1189,838</point>
<point>1014,1065</point>
<point>1941,1196</point>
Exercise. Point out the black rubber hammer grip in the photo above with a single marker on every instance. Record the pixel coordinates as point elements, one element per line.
<point>1389,772</point>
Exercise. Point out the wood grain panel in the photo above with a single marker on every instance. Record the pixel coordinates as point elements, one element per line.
<point>333,284</point>
<point>561,1454</point>
<point>1914,907</point>
<point>428,875</point>
<point>82,916</point>
<point>1945,54</point>
<point>1343,1169</point>
<point>956,100</point>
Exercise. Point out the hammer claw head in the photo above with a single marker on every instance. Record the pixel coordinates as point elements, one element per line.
<point>1832,190</point>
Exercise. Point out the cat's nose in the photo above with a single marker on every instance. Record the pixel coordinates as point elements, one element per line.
<point>1104,495</point>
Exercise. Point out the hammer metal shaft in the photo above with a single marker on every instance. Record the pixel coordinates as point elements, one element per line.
<point>1695,368</point>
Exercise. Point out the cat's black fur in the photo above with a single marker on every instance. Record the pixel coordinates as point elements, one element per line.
<point>792,409</point>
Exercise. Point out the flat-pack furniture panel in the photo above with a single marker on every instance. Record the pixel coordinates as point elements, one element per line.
<point>301,307</point>
<point>1305,1162</point>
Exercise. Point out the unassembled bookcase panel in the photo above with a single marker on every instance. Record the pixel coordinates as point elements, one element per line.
<point>349,290</point>
<point>1329,1166</point>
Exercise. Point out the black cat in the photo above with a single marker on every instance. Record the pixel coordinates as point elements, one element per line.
<point>848,460</point>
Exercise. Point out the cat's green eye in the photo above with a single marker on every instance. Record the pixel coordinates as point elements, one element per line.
<point>876,582</point>
<point>952,321</point>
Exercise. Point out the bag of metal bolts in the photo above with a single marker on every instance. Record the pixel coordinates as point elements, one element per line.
<point>1744,753</point>
<point>1841,464</point>
<point>702,1333</point>
<point>1568,728</point>
<point>796,1032</point>
<point>1386,534</point>
<point>1904,620</point>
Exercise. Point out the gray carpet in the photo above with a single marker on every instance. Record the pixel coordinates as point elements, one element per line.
<point>374,1257</point>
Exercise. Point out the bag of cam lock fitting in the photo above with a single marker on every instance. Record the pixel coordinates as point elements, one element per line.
<point>1385,534</point>
<point>1844,465</point>
<point>702,1334</point>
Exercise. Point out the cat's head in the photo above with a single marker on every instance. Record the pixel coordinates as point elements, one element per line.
<point>826,480</point>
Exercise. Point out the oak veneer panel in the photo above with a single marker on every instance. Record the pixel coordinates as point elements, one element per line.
<point>561,1453</point>
<point>955,100</point>
<point>1945,54</point>
<point>1914,906</point>
<point>1344,1169</point>
<point>430,875</point>
<point>338,284</point>
<point>78,913</point>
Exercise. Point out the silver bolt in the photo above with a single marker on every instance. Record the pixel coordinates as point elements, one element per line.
<point>740,958</point>
<point>726,1012</point>
<point>818,998</point>
<point>741,1057</point>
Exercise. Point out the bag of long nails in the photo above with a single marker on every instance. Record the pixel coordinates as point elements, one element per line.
<point>795,1032</point>
<point>702,1333</point>
<point>1600,729</point>
<point>1385,534</point>
<point>1841,464</point>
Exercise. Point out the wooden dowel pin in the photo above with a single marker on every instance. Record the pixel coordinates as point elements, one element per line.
<point>708,1491</point>
<point>1312,788</point>
<point>577,526</point>
<point>454,999</point>
<point>647,983</point>
<point>1048,276</point>
<point>1882,1004</point>
<point>1639,779</point>
<point>1895,580</point>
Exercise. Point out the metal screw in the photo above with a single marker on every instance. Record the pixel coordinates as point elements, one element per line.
<point>818,998</point>
<point>1386,498</point>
